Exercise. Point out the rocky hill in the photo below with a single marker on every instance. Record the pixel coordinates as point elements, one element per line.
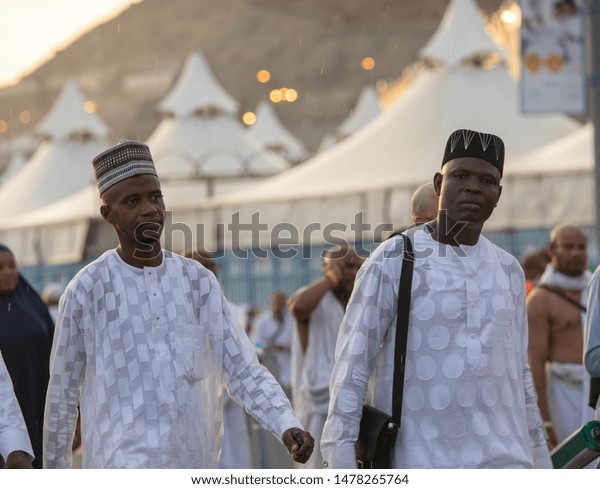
<point>129,63</point>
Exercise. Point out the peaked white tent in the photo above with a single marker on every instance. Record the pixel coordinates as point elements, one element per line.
<point>15,165</point>
<point>201,138</point>
<point>197,89</point>
<point>61,165</point>
<point>460,36</point>
<point>572,153</point>
<point>550,184</point>
<point>199,149</point>
<point>68,118</point>
<point>376,170</point>
<point>18,150</point>
<point>271,132</point>
<point>367,108</point>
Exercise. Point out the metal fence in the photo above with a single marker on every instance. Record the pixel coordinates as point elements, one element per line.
<point>252,278</point>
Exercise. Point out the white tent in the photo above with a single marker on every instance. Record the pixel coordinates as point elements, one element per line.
<point>201,138</point>
<point>572,153</point>
<point>62,163</point>
<point>15,165</point>
<point>197,88</point>
<point>367,108</point>
<point>551,184</point>
<point>270,131</point>
<point>376,170</point>
<point>18,150</point>
<point>459,36</point>
<point>199,148</point>
<point>67,117</point>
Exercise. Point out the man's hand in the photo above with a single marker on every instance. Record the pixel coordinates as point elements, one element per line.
<point>333,272</point>
<point>301,453</point>
<point>77,437</point>
<point>551,437</point>
<point>17,460</point>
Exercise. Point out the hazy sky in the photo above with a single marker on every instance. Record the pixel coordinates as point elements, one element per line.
<point>32,30</point>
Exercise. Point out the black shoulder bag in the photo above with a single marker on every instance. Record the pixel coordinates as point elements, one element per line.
<point>378,430</point>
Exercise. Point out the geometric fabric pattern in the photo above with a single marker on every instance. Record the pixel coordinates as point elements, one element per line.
<point>469,399</point>
<point>146,353</point>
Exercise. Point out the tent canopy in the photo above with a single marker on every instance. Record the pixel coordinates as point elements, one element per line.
<point>67,117</point>
<point>404,145</point>
<point>460,36</point>
<point>270,131</point>
<point>197,89</point>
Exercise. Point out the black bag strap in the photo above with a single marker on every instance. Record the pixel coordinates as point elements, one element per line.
<point>561,294</point>
<point>404,293</point>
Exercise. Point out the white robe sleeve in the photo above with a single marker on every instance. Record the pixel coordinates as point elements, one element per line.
<point>370,312</point>
<point>250,384</point>
<point>67,361</point>
<point>13,432</point>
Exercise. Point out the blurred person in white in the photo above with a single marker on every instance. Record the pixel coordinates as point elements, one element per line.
<point>51,297</point>
<point>318,309</point>
<point>469,399</point>
<point>145,342</point>
<point>15,448</point>
<point>272,336</point>
<point>556,310</point>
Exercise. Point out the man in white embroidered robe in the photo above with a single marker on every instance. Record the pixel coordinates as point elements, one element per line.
<point>469,400</point>
<point>145,342</point>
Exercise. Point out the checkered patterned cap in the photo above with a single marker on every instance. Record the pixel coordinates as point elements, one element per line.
<point>126,159</point>
<point>473,144</point>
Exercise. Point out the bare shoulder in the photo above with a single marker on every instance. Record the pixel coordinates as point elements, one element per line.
<point>539,299</point>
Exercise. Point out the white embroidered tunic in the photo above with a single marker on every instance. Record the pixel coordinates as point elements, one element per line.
<point>146,352</point>
<point>269,330</point>
<point>469,399</point>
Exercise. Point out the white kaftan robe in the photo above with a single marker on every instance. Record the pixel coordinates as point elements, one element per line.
<point>469,399</point>
<point>146,352</point>
<point>270,331</point>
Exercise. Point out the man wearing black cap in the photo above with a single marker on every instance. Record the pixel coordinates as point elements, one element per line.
<point>145,342</point>
<point>469,400</point>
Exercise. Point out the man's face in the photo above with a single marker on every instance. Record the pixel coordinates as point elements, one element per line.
<point>349,263</point>
<point>278,302</point>
<point>469,189</point>
<point>9,274</point>
<point>136,209</point>
<point>569,253</point>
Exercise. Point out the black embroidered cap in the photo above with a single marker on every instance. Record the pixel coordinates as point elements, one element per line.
<point>472,144</point>
<point>124,160</point>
